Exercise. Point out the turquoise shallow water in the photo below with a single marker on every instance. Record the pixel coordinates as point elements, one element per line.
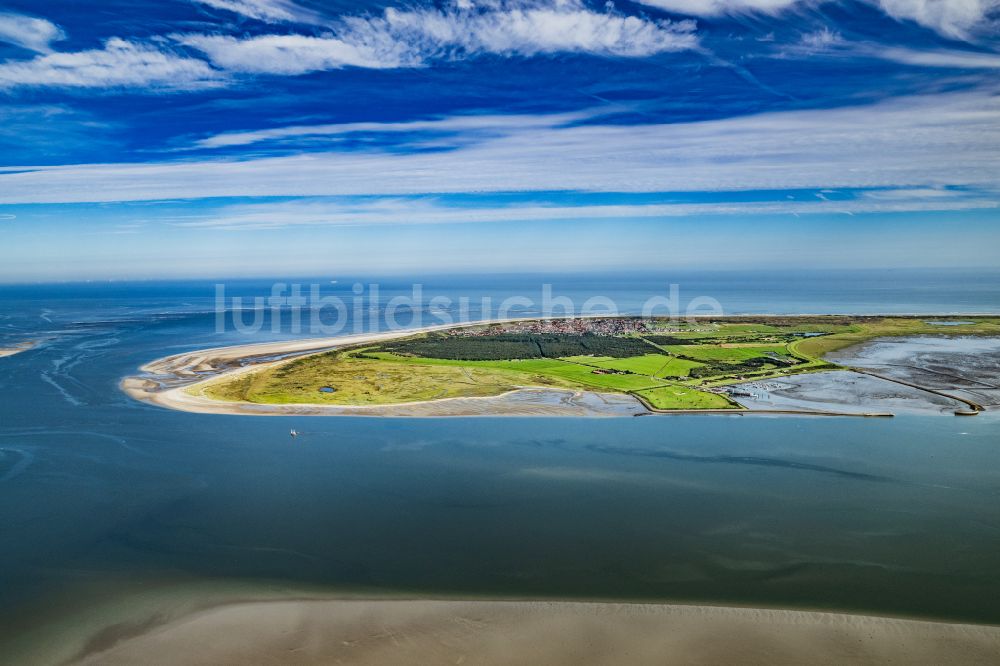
<point>898,516</point>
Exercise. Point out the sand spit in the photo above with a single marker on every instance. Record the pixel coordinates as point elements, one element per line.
<point>17,349</point>
<point>166,382</point>
<point>521,402</point>
<point>504,632</point>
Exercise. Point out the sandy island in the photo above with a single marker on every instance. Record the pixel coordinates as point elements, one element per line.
<point>173,382</point>
<point>401,632</point>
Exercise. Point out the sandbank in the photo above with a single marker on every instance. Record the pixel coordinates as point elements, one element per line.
<point>401,632</point>
<point>17,349</point>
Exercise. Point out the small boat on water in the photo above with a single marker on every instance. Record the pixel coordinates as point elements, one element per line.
<point>293,432</point>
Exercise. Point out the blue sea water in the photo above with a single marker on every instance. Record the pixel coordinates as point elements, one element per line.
<point>898,516</point>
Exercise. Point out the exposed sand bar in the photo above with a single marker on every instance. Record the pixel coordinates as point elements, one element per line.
<point>17,349</point>
<point>397,632</point>
<point>195,363</point>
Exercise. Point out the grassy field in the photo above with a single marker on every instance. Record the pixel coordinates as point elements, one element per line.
<point>360,381</point>
<point>585,375</point>
<point>567,370</point>
<point>683,397</point>
<point>722,353</point>
<point>653,365</point>
<point>717,352</point>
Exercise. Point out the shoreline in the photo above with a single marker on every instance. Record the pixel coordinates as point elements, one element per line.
<point>379,630</point>
<point>167,381</point>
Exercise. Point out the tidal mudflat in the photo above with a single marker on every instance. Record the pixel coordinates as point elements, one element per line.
<point>841,391</point>
<point>966,366</point>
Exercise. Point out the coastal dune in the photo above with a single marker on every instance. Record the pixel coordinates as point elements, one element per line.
<point>401,632</point>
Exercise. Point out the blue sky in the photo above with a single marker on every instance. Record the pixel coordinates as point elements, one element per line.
<point>215,138</point>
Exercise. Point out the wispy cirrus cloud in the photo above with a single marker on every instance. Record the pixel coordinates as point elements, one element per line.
<point>121,63</point>
<point>958,19</point>
<point>946,58</point>
<point>297,54</point>
<point>526,28</point>
<point>933,141</point>
<point>269,11</point>
<point>421,36</point>
<point>465,128</point>
<point>820,40</point>
<point>409,211</point>
<point>915,194</point>
<point>955,19</point>
<point>396,38</point>
<point>29,32</point>
<point>415,37</point>
<point>720,7</point>
<point>827,43</point>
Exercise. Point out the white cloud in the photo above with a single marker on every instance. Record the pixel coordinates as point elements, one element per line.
<point>821,40</point>
<point>934,141</point>
<point>29,32</point>
<point>914,193</point>
<point>529,29</point>
<point>120,63</point>
<point>412,38</point>
<point>469,126</point>
<point>830,44</point>
<point>269,11</point>
<point>957,19</point>
<point>292,54</point>
<point>402,211</point>
<point>941,58</point>
<point>397,38</point>
<point>719,7</point>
